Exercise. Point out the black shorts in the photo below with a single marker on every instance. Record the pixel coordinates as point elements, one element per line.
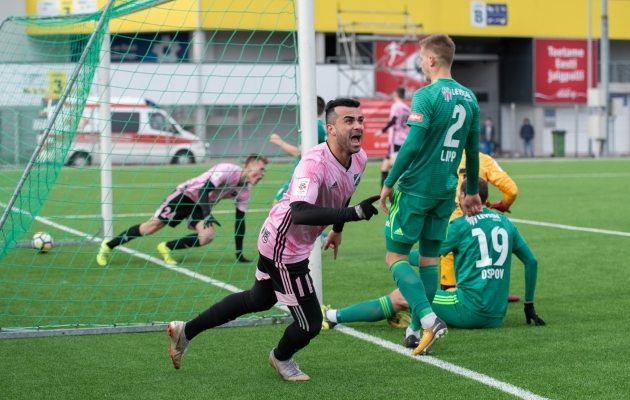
<point>389,153</point>
<point>291,282</point>
<point>178,207</point>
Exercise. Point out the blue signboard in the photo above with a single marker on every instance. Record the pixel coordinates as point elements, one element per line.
<point>155,47</point>
<point>496,14</point>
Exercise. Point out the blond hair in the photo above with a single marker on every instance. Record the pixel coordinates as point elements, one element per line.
<point>442,46</point>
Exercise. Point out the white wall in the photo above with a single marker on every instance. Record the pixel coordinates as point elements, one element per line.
<point>565,120</point>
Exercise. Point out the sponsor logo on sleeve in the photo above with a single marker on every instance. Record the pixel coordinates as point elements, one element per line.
<point>357,179</point>
<point>301,187</point>
<point>416,117</point>
<point>265,235</point>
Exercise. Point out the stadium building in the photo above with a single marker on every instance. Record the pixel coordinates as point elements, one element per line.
<point>522,60</point>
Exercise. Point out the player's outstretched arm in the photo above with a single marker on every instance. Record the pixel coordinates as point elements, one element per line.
<point>304,213</point>
<point>203,198</point>
<point>286,147</point>
<point>406,155</point>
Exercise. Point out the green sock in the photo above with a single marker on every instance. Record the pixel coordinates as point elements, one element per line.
<point>429,276</point>
<point>413,257</point>
<point>412,289</point>
<point>368,311</point>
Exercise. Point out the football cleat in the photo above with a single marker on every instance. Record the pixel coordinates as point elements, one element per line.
<point>103,254</point>
<point>289,370</point>
<point>399,321</point>
<point>165,252</point>
<point>429,336</point>
<point>179,344</point>
<point>326,323</point>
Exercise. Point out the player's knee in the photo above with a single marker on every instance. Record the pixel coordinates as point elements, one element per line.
<point>205,239</point>
<point>398,301</point>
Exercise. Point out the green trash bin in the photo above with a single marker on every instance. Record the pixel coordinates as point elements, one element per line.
<point>558,143</point>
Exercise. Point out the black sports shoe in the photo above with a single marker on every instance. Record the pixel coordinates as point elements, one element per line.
<point>411,341</point>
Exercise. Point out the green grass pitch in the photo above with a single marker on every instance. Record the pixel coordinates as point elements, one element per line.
<point>581,294</point>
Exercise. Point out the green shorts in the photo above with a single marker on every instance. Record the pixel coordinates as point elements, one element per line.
<point>282,190</point>
<point>415,219</point>
<point>447,306</point>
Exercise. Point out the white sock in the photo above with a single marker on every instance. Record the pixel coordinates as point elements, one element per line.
<point>412,332</point>
<point>331,315</point>
<point>428,320</point>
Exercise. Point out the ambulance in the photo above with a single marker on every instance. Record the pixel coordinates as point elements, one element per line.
<point>142,133</point>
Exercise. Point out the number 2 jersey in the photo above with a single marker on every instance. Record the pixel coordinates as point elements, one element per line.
<point>482,246</point>
<point>447,114</point>
<point>318,179</point>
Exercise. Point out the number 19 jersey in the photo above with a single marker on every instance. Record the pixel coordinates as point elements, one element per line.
<point>483,247</point>
<point>450,114</point>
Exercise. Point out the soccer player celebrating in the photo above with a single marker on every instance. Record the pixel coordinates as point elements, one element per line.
<point>444,119</point>
<point>318,195</point>
<point>390,306</point>
<point>194,200</point>
<point>296,151</point>
<point>397,129</point>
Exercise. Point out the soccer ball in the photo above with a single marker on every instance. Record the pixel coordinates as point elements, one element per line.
<point>42,241</point>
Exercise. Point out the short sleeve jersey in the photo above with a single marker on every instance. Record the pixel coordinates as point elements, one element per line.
<point>449,112</point>
<point>318,179</point>
<point>225,178</point>
<point>482,246</point>
<point>398,132</point>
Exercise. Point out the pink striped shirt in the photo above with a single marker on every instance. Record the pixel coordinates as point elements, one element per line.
<point>399,131</point>
<point>225,178</point>
<point>318,179</point>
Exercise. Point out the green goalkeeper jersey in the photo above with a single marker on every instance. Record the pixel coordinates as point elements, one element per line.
<point>444,120</point>
<point>482,246</point>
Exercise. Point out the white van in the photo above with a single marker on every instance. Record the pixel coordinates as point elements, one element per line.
<point>141,134</point>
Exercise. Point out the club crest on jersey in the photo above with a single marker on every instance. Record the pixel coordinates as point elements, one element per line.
<point>357,179</point>
<point>446,92</point>
<point>417,117</point>
<point>471,220</point>
<point>302,187</point>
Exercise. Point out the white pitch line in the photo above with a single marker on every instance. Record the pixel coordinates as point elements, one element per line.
<point>481,378</point>
<point>570,227</point>
<point>92,216</point>
<point>572,176</point>
<point>138,254</point>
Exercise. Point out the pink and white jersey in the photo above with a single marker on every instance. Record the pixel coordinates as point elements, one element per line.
<point>399,131</point>
<point>318,179</point>
<point>225,178</point>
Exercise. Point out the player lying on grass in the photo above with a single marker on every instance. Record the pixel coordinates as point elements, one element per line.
<point>483,246</point>
<point>193,200</point>
<point>378,309</point>
<point>318,195</point>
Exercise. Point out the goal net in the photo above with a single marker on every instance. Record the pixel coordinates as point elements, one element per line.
<point>103,114</point>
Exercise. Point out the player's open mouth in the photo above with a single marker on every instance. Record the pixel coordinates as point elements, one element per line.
<point>356,139</point>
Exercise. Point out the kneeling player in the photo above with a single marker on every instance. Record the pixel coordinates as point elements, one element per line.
<point>193,200</point>
<point>483,246</point>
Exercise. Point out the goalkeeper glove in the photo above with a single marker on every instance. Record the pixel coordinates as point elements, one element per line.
<point>209,220</point>
<point>500,206</point>
<point>365,209</point>
<point>530,314</point>
<point>241,258</point>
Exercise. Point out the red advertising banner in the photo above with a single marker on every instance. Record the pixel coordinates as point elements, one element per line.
<point>560,70</point>
<point>376,114</point>
<point>397,67</point>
